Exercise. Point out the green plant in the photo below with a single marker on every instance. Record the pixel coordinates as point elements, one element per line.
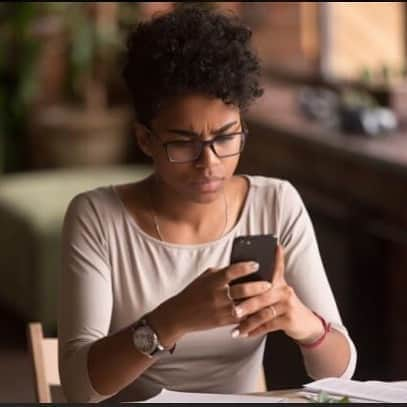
<point>384,75</point>
<point>366,76</point>
<point>323,397</point>
<point>357,98</point>
<point>19,52</point>
<point>94,34</point>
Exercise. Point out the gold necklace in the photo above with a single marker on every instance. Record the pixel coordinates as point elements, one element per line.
<point>157,225</point>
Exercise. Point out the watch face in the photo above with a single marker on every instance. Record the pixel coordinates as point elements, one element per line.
<point>144,339</point>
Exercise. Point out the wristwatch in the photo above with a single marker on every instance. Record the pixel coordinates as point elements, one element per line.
<point>146,341</point>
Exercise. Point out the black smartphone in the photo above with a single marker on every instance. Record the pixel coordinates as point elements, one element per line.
<point>259,248</point>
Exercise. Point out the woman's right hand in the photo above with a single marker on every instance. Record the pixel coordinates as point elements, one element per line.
<point>205,303</point>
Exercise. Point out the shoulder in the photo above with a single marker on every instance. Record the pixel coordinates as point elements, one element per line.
<point>279,188</point>
<point>91,214</point>
<point>93,209</point>
<point>93,200</point>
<point>278,197</point>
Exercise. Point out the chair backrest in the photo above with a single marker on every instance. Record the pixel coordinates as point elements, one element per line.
<point>261,382</point>
<point>44,358</point>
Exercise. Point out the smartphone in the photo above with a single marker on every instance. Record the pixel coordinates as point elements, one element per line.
<point>259,248</point>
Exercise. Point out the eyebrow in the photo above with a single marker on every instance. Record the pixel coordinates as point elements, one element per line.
<point>190,133</point>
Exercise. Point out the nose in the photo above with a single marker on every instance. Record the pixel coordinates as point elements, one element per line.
<point>207,158</point>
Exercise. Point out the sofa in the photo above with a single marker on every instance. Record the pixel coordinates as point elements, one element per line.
<point>32,208</point>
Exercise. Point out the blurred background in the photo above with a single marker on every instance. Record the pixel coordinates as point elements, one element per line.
<point>332,121</point>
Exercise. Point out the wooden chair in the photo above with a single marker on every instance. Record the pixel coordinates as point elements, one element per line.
<point>44,358</point>
<point>261,382</point>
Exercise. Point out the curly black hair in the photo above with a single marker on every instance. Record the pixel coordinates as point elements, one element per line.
<point>190,49</point>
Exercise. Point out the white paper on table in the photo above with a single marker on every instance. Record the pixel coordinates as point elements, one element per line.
<point>387,392</point>
<point>400,384</point>
<point>168,396</point>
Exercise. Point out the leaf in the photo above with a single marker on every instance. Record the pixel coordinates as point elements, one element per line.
<point>82,45</point>
<point>324,397</point>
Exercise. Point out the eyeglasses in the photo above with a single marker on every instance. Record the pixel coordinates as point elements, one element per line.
<point>224,145</point>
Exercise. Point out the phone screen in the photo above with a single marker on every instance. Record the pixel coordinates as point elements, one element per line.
<point>259,248</point>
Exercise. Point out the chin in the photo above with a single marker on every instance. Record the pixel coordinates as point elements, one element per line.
<point>206,198</point>
<point>196,196</point>
<point>205,193</point>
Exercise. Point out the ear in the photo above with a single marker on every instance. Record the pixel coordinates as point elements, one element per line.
<point>143,138</point>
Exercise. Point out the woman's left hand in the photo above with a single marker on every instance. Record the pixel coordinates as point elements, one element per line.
<point>278,308</point>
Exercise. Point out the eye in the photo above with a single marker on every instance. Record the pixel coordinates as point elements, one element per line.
<point>224,138</point>
<point>179,138</point>
<point>181,143</point>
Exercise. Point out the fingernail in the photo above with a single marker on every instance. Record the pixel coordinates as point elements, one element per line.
<point>254,266</point>
<point>239,311</point>
<point>235,333</point>
<point>267,286</point>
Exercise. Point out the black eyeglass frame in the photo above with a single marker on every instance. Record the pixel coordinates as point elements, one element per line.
<point>244,133</point>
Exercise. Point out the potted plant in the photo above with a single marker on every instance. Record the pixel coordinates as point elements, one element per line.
<point>89,126</point>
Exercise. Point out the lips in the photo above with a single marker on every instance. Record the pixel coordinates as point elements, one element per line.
<point>208,184</point>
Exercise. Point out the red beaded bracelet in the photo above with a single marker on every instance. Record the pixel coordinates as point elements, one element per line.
<point>327,328</point>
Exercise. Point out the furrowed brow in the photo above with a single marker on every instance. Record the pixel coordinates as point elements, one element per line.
<point>190,133</point>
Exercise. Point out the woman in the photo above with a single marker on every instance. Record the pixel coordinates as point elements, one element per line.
<point>145,296</point>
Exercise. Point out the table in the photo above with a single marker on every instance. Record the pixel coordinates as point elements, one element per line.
<point>291,394</point>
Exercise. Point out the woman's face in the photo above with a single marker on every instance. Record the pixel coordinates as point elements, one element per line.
<point>194,118</point>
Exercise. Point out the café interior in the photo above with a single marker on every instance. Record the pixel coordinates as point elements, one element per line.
<point>332,121</point>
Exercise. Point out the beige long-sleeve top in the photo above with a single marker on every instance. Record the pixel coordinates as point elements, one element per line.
<point>113,273</point>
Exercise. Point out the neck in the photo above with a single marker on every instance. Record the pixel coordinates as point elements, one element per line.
<point>169,206</point>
